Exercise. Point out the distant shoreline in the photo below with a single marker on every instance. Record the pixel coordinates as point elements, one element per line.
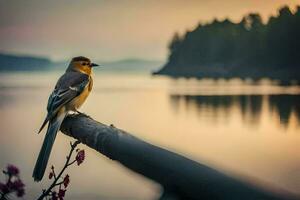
<point>284,77</point>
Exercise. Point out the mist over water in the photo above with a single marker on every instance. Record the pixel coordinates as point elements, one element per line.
<point>239,127</point>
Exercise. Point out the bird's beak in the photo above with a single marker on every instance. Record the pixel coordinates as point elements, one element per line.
<point>94,65</point>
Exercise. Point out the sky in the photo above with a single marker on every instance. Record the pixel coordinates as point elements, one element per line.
<point>112,29</point>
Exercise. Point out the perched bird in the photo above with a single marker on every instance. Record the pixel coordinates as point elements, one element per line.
<point>70,92</point>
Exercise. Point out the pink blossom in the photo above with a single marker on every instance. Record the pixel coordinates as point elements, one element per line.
<point>54,196</point>
<point>61,194</point>
<point>14,183</point>
<point>80,157</point>
<point>20,192</point>
<point>17,185</point>
<point>12,170</point>
<point>50,175</point>
<point>66,180</point>
<point>4,188</point>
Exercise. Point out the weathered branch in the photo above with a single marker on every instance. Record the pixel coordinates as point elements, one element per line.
<point>179,176</point>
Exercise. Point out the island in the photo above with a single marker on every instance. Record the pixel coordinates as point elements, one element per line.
<point>248,49</point>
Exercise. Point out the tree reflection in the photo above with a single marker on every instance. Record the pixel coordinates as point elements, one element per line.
<point>250,106</point>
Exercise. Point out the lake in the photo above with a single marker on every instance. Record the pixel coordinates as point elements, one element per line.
<point>246,129</point>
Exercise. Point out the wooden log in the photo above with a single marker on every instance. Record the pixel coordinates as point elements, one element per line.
<point>180,177</point>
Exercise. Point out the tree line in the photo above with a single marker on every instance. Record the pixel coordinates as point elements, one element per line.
<point>249,48</point>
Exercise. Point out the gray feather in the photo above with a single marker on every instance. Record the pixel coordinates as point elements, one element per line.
<point>45,151</point>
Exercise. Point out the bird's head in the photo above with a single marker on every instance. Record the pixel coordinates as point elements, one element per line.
<point>81,64</point>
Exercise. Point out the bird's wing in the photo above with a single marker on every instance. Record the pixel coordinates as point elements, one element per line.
<point>69,86</point>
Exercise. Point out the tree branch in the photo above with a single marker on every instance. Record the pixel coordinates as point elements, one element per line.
<point>57,178</point>
<point>180,176</point>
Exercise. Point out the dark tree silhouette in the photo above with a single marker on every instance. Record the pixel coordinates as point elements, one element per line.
<point>249,48</point>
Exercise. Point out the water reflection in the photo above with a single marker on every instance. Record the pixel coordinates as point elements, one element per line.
<point>285,105</point>
<point>234,126</point>
<point>250,106</point>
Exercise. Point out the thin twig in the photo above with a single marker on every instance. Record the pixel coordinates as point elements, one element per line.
<point>47,192</point>
<point>71,163</point>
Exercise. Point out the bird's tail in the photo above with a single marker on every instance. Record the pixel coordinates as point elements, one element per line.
<point>45,151</point>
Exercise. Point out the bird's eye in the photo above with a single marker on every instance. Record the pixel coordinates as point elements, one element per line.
<point>84,64</point>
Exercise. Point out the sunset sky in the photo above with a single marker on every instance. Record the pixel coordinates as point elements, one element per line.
<point>112,29</point>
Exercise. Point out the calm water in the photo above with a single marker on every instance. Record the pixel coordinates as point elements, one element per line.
<point>240,128</point>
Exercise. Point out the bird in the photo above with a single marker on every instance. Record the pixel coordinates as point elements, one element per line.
<point>70,92</point>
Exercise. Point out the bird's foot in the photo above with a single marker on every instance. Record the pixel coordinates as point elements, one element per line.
<point>78,112</point>
<point>81,113</point>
